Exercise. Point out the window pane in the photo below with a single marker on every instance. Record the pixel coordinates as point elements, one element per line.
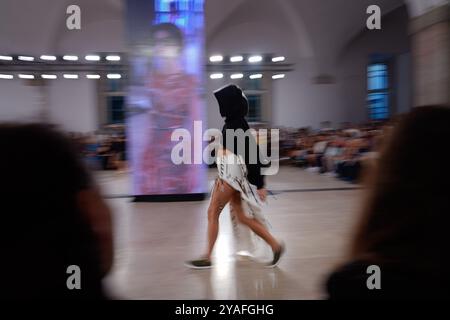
<point>377,77</point>
<point>116,109</point>
<point>254,108</point>
<point>378,96</point>
<point>114,85</point>
<point>252,84</point>
<point>378,105</point>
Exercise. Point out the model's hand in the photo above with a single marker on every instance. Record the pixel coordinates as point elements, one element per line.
<point>262,193</point>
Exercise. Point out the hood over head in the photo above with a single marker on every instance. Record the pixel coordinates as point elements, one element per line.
<point>232,102</point>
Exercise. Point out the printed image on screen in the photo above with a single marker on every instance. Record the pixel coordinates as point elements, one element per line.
<point>165,90</point>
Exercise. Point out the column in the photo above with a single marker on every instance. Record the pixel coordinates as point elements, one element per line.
<point>430,33</point>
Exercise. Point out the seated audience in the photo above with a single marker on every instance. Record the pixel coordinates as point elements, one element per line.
<point>343,153</point>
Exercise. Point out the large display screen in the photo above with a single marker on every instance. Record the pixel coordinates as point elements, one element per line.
<point>165,93</point>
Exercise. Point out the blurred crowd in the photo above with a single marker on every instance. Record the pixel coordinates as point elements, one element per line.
<point>342,153</point>
<point>102,150</point>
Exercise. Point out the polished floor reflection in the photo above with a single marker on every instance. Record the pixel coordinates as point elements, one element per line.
<point>154,239</point>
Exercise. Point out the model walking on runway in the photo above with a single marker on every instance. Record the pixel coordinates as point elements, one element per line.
<point>237,174</point>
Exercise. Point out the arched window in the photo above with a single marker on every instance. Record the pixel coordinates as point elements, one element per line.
<point>378,91</point>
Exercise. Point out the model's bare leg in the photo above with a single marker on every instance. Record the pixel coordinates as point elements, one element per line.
<point>253,224</point>
<point>221,195</point>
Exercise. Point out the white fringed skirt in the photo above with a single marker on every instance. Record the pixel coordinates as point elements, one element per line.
<point>233,171</point>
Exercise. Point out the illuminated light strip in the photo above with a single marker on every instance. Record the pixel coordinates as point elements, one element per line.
<point>113,58</point>
<point>26,76</point>
<point>70,58</point>
<point>113,76</point>
<point>70,76</point>
<point>216,58</point>
<point>237,76</point>
<point>237,59</point>
<point>278,59</point>
<point>92,57</point>
<point>216,76</point>
<point>278,76</point>
<point>256,76</point>
<point>49,76</point>
<point>25,58</point>
<point>48,57</point>
<point>254,59</point>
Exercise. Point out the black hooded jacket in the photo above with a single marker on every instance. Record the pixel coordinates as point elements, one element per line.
<point>233,107</point>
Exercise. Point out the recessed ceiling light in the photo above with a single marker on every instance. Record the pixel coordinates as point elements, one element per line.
<point>255,59</point>
<point>92,57</point>
<point>70,76</point>
<point>216,58</point>
<point>113,58</point>
<point>278,59</point>
<point>278,76</point>
<point>113,76</point>
<point>70,58</point>
<point>256,76</point>
<point>236,59</point>
<point>237,76</point>
<point>6,58</point>
<point>25,58</point>
<point>216,76</point>
<point>49,76</point>
<point>48,57</point>
<point>26,76</point>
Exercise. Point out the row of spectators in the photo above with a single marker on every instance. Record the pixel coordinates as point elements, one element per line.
<point>102,151</point>
<point>342,153</point>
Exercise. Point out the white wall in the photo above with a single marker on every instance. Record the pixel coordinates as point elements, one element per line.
<point>266,30</point>
<point>39,27</point>
<point>214,120</point>
<point>19,102</point>
<point>391,39</point>
<point>296,100</point>
<point>73,104</point>
<point>419,7</point>
<point>404,83</point>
